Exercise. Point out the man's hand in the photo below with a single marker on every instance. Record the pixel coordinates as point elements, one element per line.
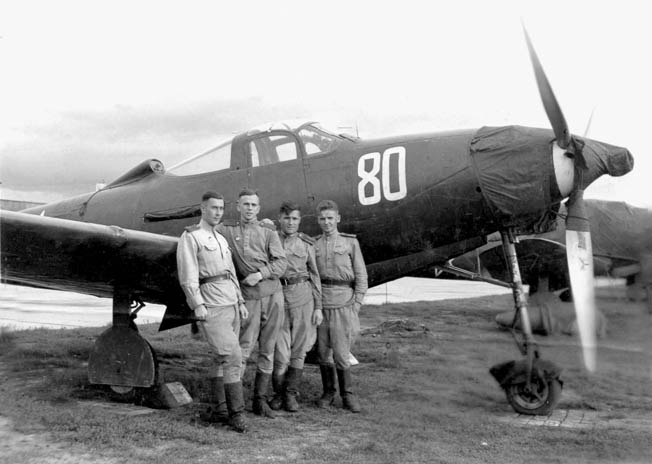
<point>201,312</point>
<point>243,311</point>
<point>252,279</point>
<point>317,317</point>
<point>356,307</point>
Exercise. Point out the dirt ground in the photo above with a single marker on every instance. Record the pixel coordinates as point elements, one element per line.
<point>422,380</point>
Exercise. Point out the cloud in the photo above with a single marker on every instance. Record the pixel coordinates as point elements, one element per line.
<point>76,150</point>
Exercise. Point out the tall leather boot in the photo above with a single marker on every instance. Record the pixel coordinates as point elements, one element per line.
<point>328,384</point>
<point>292,380</point>
<point>278,385</point>
<point>260,406</point>
<point>349,401</point>
<point>235,405</point>
<point>217,412</point>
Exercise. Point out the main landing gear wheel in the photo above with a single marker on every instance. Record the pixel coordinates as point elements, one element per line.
<point>121,390</point>
<point>124,361</point>
<point>540,398</point>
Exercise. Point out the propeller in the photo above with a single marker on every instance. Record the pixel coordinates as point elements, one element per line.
<point>553,110</point>
<point>578,236</point>
<point>588,124</point>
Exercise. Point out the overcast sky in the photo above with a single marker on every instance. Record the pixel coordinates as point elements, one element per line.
<point>90,89</point>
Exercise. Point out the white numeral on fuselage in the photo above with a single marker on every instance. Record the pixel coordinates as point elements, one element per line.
<point>369,177</point>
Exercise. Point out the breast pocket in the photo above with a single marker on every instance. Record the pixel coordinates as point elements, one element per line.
<point>300,254</point>
<point>209,246</point>
<point>341,257</point>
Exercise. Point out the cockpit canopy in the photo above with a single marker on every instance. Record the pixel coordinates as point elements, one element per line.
<point>263,145</point>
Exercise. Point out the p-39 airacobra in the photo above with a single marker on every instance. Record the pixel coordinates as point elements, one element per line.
<point>414,201</point>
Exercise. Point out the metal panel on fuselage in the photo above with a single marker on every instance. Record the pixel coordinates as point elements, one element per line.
<point>404,195</point>
<point>329,177</point>
<point>127,205</point>
<point>276,183</point>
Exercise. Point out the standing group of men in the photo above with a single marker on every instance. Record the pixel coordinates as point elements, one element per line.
<point>248,284</point>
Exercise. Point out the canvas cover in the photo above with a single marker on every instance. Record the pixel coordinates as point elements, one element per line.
<point>512,192</point>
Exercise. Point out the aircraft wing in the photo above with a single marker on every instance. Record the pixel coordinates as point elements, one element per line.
<point>94,259</point>
<point>537,257</point>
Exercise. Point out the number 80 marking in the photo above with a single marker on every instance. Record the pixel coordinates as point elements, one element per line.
<point>370,177</point>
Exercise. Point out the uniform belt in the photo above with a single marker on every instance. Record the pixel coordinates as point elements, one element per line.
<point>293,280</point>
<point>215,278</point>
<point>337,283</point>
<point>259,282</point>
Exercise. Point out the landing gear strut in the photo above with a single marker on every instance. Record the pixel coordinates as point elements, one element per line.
<point>532,385</point>
<point>121,358</point>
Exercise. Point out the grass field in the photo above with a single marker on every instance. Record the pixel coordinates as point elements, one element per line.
<point>424,385</point>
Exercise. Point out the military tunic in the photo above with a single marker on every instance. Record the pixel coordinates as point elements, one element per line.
<point>302,296</point>
<point>257,248</point>
<point>203,253</point>
<point>344,284</point>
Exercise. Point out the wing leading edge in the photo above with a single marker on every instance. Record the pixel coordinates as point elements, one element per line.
<point>94,259</point>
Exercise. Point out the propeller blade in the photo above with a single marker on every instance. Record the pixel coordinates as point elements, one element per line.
<point>588,124</point>
<point>579,254</point>
<point>555,115</point>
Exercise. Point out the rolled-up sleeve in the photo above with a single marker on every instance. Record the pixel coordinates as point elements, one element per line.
<point>188,269</point>
<point>360,271</point>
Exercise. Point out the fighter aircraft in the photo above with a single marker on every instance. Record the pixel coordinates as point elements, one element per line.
<point>413,201</point>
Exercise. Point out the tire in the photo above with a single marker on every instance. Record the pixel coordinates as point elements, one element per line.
<point>540,400</point>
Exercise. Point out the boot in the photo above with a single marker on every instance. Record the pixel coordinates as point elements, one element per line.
<point>217,412</point>
<point>328,384</point>
<point>235,405</point>
<point>349,401</point>
<point>293,378</point>
<point>261,384</point>
<point>278,385</point>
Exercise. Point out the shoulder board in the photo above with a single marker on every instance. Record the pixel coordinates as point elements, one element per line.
<point>231,222</point>
<point>347,235</point>
<point>306,239</point>
<point>193,228</point>
<point>269,226</point>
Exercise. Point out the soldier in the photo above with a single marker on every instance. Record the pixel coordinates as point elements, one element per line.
<point>260,261</point>
<point>302,295</point>
<point>208,279</point>
<point>344,284</point>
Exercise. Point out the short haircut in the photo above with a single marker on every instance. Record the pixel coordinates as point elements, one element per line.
<point>288,206</point>
<point>211,194</point>
<point>327,204</point>
<point>246,192</point>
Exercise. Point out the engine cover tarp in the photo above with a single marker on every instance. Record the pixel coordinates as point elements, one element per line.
<point>515,171</point>
<point>619,229</point>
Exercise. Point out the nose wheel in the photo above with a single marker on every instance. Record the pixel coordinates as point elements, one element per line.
<point>540,397</point>
<point>532,385</point>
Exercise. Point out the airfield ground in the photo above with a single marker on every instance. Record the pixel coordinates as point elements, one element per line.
<point>423,382</point>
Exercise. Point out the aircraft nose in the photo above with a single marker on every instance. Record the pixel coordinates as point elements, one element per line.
<point>620,162</point>
<point>603,158</point>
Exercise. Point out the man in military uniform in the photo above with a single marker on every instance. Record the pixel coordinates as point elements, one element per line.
<point>260,261</point>
<point>208,279</point>
<point>302,295</point>
<point>344,284</point>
